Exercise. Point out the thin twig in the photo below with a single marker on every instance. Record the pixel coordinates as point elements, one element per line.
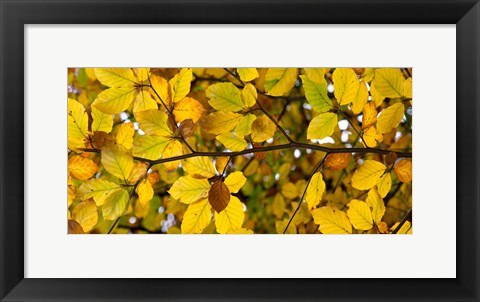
<point>275,122</point>
<point>399,226</point>
<point>305,191</point>
<point>235,76</point>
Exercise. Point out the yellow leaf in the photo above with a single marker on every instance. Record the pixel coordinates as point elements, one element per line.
<point>101,121</point>
<point>221,162</point>
<point>199,167</point>
<point>407,88</point>
<point>262,129</point>
<point>235,181</point>
<point>244,126</point>
<point>231,142</point>
<point>279,81</point>
<point>154,122</point>
<point>115,204</point>
<point>403,170</point>
<point>322,126</point>
<point>141,73</point>
<point>369,117</point>
<point>86,214</point>
<point>125,135</point>
<point>384,184</point>
<point>249,95</point>
<point>70,194</point>
<point>230,219</point>
<point>315,190</point>
<point>316,94</point>
<point>331,220</point>
<point>116,77</point>
<point>389,82</point>
<point>91,73</point>
<point>316,75</point>
<point>361,98</point>
<point>160,86</point>
<point>360,215</point>
<point>81,168</point>
<point>138,171</point>
<point>346,85</point>
<point>247,74</point>
<point>219,196</point>
<point>145,192</point>
<point>197,217</point>
<point>390,117</point>
<point>242,231</point>
<point>172,149</point>
<point>375,201</point>
<point>278,206</point>
<point>150,147</point>
<point>180,84</point>
<point>114,100</point>
<point>368,74</point>
<point>98,189</point>
<point>289,190</point>
<point>405,229</point>
<point>187,189</point>
<point>188,108</point>
<point>144,101</point>
<point>117,161</point>
<point>367,175</point>
<point>377,98</point>
<point>221,121</point>
<point>225,97</point>
<point>77,125</point>
<point>371,136</point>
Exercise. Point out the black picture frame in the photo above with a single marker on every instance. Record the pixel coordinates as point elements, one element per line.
<point>15,14</point>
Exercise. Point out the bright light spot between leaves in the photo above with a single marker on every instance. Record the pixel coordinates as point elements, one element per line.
<point>297,153</point>
<point>360,117</point>
<point>161,210</point>
<point>398,134</point>
<point>307,106</point>
<point>135,126</point>
<point>344,137</point>
<point>132,220</point>
<point>123,116</point>
<point>326,140</point>
<point>270,140</point>
<point>330,88</point>
<point>343,124</point>
<point>277,176</point>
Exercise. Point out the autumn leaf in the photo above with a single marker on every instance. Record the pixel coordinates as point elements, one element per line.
<point>98,189</point>
<point>331,220</point>
<point>188,189</point>
<point>360,215</point>
<point>262,129</point>
<point>247,74</point>
<point>86,214</point>
<point>231,218</point>
<point>199,167</point>
<point>315,190</point>
<point>101,121</point>
<point>235,181</point>
<point>389,82</point>
<point>390,117</point>
<point>279,81</point>
<point>219,196</point>
<point>145,192</point>
<point>115,204</point>
<point>117,161</point>
<point>180,84</point>
<point>231,141</point>
<point>77,125</point>
<point>322,126</point>
<point>316,94</point>
<point>197,217</point>
<point>154,122</point>
<point>403,170</point>
<point>367,175</point>
<point>220,121</point>
<point>188,108</point>
<point>346,85</point>
<point>81,168</point>
<point>225,97</point>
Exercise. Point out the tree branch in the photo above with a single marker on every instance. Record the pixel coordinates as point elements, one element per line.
<point>399,226</point>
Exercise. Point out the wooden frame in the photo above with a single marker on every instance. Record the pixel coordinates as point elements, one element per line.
<point>15,14</point>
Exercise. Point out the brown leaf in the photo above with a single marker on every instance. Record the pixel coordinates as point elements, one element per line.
<point>100,139</point>
<point>74,227</point>
<point>390,158</point>
<point>219,196</point>
<point>186,128</point>
<point>259,155</point>
<point>338,161</point>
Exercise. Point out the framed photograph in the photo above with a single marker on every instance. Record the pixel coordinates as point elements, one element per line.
<point>199,150</point>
